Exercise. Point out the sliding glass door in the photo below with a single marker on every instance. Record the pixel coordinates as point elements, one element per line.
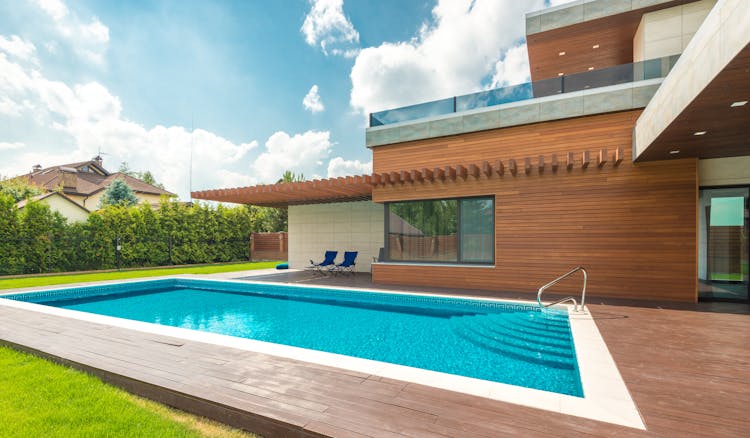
<point>723,243</point>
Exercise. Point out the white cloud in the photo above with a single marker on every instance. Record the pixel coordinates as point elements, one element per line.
<point>312,101</point>
<point>454,55</point>
<point>301,153</point>
<point>18,48</point>
<point>341,167</point>
<point>513,68</point>
<point>88,117</point>
<point>327,26</point>
<point>88,38</point>
<point>56,9</point>
<point>6,146</point>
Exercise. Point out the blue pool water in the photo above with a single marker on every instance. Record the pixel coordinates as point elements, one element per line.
<point>493,341</point>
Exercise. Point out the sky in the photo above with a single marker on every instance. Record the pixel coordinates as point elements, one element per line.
<point>252,88</point>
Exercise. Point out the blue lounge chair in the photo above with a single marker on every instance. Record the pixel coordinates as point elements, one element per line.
<point>349,263</point>
<point>327,263</point>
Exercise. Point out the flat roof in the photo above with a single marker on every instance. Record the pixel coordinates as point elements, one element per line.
<point>318,191</point>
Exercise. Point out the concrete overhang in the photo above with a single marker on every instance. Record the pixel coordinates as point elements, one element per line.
<point>621,97</point>
<point>698,111</point>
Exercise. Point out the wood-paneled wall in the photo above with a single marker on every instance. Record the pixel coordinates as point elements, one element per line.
<point>634,226</point>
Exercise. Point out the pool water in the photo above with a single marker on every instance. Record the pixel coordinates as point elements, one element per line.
<point>494,341</point>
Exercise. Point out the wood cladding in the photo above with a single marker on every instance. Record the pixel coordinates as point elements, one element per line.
<point>632,225</point>
<point>613,36</point>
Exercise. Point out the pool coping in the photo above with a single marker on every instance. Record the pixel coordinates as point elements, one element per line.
<point>606,398</point>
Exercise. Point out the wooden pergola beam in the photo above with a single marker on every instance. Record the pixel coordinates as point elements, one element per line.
<point>601,159</point>
<point>474,170</point>
<point>487,169</point>
<point>405,176</point>
<point>427,174</point>
<point>450,172</point>
<point>461,171</point>
<point>499,167</point>
<point>618,156</point>
<point>416,175</point>
<point>569,160</point>
<point>512,166</point>
<point>586,160</point>
<point>527,165</point>
<point>540,164</point>
<point>554,163</point>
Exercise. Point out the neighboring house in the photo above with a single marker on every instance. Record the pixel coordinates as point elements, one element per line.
<point>60,203</point>
<point>629,153</point>
<point>86,181</point>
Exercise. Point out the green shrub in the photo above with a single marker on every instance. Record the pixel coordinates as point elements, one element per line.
<point>36,239</point>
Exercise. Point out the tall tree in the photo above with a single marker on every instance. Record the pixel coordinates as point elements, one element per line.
<point>118,193</point>
<point>19,188</point>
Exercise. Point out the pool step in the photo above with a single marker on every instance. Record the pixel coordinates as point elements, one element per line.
<point>517,343</point>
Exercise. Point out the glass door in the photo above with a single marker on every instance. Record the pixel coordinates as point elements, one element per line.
<point>723,250</point>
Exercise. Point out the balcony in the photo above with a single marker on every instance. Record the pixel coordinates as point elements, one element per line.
<point>619,74</point>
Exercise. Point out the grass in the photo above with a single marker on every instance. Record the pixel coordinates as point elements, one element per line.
<point>41,398</point>
<point>49,280</point>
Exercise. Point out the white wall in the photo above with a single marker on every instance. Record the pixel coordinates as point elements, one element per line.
<point>668,31</point>
<point>66,208</point>
<point>345,226</point>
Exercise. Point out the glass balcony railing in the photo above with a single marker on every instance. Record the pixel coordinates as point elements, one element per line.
<point>619,74</point>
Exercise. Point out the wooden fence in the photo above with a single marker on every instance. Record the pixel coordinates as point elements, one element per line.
<point>269,246</point>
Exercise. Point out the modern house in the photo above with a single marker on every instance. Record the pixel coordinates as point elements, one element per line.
<point>84,183</point>
<point>628,153</point>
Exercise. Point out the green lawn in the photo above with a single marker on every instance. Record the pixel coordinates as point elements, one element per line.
<point>10,283</point>
<point>41,399</point>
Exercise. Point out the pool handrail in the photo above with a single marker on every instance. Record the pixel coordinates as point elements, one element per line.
<point>559,279</point>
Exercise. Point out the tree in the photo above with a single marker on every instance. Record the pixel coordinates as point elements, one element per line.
<point>146,176</point>
<point>118,193</point>
<point>290,177</point>
<point>19,188</point>
<point>125,169</point>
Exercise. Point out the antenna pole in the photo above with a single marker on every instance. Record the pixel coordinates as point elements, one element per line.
<point>190,171</point>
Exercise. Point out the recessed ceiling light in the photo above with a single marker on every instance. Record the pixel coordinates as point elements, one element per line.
<point>674,152</point>
<point>740,103</point>
<point>595,46</point>
<point>591,68</point>
<point>560,74</point>
<point>561,53</point>
<point>699,132</point>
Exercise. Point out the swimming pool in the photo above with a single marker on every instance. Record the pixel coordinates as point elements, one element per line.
<point>489,340</point>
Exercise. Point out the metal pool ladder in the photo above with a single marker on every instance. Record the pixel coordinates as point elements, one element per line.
<point>559,279</point>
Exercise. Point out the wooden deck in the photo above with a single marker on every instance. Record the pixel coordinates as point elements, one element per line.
<point>686,366</point>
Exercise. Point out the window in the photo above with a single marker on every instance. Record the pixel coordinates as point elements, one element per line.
<point>441,231</point>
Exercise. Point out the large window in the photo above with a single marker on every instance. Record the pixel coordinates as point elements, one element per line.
<point>445,230</point>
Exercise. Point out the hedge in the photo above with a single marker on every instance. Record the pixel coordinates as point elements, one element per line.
<point>35,239</point>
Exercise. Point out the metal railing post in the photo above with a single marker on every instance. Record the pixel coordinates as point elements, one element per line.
<point>559,279</point>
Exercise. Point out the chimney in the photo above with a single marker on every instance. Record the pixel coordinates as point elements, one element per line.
<point>69,179</point>
<point>98,160</point>
<point>36,168</point>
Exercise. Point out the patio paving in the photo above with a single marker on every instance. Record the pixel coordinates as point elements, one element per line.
<point>687,367</point>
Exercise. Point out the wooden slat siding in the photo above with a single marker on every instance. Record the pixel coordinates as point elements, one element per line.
<point>633,226</point>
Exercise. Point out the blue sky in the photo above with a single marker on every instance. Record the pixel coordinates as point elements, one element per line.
<point>256,87</point>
